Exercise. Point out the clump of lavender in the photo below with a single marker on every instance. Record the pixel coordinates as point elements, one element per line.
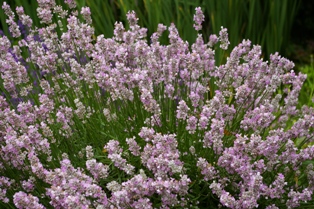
<point>120,123</point>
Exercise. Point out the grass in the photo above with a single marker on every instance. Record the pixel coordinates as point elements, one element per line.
<point>307,92</point>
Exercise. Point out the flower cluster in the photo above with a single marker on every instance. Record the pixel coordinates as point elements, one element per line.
<point>71,188</point>
<point>125,123</point>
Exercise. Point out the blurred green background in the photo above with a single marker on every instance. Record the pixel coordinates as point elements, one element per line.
<point>267,23</point>
<point>286,26</point>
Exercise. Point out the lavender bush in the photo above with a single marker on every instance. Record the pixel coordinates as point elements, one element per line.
<point>122,123</point>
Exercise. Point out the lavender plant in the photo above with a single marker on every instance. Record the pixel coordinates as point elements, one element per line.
<point>122,123</point>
